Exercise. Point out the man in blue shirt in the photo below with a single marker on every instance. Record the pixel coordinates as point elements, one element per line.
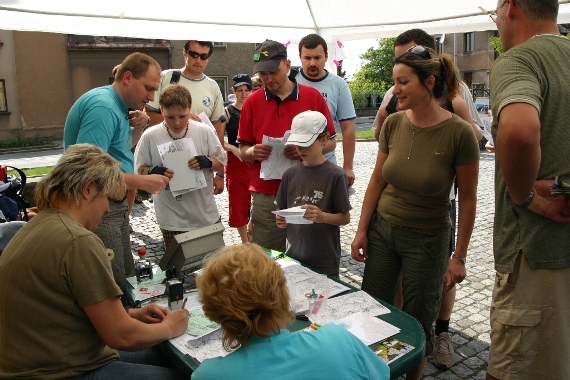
<point>101,117</point>
<point>314,54</point>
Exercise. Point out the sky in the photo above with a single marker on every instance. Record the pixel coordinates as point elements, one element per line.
<point>352,50</point>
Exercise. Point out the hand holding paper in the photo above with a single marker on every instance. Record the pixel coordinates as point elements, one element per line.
<point>293,215</point>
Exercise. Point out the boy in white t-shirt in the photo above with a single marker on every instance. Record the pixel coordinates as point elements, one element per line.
<point>193,209</point>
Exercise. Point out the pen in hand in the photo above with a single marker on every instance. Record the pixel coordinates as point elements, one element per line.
<point>184,303</point>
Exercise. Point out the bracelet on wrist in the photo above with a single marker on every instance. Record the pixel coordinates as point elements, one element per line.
<point>220,175</point>
<point>150,168</point>
<point>526,203</point>
<point>462,259</point>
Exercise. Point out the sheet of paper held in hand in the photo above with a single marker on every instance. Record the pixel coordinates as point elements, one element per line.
<point>185,144</point>
<point>184,177</point>
<point>293,215</point>
<point>277,163</point>
<point>206,120</point>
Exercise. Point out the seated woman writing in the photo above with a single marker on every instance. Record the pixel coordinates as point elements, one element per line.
<point>61,315</point>
<point>245,291</point>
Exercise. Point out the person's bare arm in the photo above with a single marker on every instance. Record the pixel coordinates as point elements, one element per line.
<point>155,117</point>
<point>381,115</point>
<point>315,214</point>
<point>348,147</point>
<point>467,179</point>
<point>122,332</point>
<point>517,148</point>
<point>359,246</point>
<point>462,111</point>
<point>257,152</point>
<point>152,183</point>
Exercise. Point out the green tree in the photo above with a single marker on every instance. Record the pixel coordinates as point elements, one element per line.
<point>375,75</point>
<point>497,44</point>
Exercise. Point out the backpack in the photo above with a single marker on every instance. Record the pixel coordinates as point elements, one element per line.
<point>12,201</point>
<point>175,77</point>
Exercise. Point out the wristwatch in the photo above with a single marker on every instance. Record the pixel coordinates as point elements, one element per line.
<point>462,259</point>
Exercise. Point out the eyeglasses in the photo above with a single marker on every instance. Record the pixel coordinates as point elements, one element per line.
<point>195,54</point>
<point>494,14</point>
<point>419,50</point>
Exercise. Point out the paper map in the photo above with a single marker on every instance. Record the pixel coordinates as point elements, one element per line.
<point>341,306</point>
<point>277,163</point>
<point>199,325</point>
<point>391,349</point>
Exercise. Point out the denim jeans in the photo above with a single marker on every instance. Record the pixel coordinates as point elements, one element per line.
<point>149,364</point>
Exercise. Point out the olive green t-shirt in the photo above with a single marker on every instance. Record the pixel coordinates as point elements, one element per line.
<point>50,269</point>
<point>420,169</point>
<point>535,72</point>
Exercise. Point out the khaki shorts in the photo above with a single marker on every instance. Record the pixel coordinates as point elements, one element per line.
<point>265,230</point>
<point>530,323</point>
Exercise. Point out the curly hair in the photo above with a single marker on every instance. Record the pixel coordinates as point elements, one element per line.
<point>245,291</point>
<point>440,66</point>
<point>80,165</point>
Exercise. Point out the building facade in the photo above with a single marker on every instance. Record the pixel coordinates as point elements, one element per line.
<point>43,74</point>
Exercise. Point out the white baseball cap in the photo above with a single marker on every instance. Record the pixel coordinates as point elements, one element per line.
<point>306,127</point>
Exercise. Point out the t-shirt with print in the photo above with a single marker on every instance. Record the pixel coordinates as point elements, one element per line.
<point>324,186</point>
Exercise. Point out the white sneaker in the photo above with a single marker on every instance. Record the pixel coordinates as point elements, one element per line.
<point>443,351</point>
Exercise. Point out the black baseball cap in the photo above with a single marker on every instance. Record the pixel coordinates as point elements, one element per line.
<point>242,79</point>
<point>268,55</point>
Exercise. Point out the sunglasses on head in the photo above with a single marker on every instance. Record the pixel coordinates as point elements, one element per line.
<point>195,54</point>
<point>419,50</point>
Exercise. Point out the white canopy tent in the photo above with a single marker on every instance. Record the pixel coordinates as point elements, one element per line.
<point>250,20</point>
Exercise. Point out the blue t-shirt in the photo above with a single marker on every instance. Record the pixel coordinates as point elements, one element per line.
<point>331,352</point>
<point>99,117</point>
<point>337,95</point>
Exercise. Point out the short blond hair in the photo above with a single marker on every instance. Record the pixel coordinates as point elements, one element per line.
<point>175,95</point>
<point>80,165</point>
<point>243,290</point>
<point>137,63</point>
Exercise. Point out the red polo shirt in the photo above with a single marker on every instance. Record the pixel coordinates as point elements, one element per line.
<point>266,114</point>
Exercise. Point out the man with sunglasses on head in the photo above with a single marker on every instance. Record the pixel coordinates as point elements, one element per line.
<point>530,332</point>
<point>206,94</point>
<point>405,41</point>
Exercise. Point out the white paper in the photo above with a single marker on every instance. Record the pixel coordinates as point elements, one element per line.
<point>487,122</point>
<point>185,144</point>
<point>277,163</point>
<point>293,215</point>
<point>206,120</point>
<point>184,177</point>
<point>341,306</point>
<point>368,328</point>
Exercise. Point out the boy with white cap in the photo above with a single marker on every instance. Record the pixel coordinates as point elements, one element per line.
<point>321,188</point>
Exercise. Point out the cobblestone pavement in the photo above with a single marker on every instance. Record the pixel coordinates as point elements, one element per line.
<point>470,319</point>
